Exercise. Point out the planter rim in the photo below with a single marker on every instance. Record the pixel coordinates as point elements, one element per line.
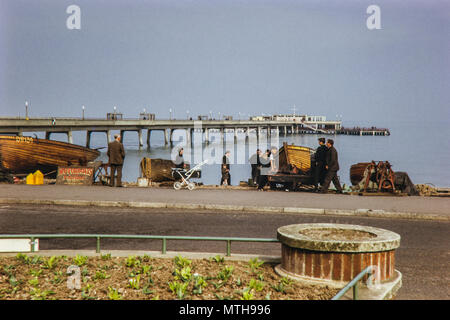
<point>383,240</point>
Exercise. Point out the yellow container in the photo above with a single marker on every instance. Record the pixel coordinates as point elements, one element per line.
<point>38,177</point>
<point>30,179</point>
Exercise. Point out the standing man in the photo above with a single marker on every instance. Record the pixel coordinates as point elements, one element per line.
<point>332,165</point>
<point>320,159</point>
<point>255,162</point>
<point>116,155</point>
<point>226,177</point>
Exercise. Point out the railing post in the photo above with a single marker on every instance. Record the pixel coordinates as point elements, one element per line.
<point>98,245</point>
<point>32,244</point>
<point>355,291</point>
<point>164,244</point>
<point>228,248</point>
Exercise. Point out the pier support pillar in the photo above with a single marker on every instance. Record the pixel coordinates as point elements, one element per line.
<point>188,136</point>
<point>122,133</point>
<point>88,139</point>
<point>69,136</point>
<point>166,136</point>
<point>141,143</point>
<point>108,136</point>
<point>206,135</point>
<point>47,135</point>
<point>170,135</point>
<point>235,134</point>
<point>149,133</point>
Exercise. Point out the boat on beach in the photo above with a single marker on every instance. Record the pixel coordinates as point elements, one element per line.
<point>24,155</point>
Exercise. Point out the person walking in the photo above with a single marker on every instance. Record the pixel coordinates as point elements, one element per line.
<point>265,168</point>
<point>320,158</point>
<point>226,177</point>
<point>116,155</point>
<point>332,166</point>
<point>255,163</point>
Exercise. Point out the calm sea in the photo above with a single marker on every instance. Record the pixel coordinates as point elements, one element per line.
<point>420,149</point>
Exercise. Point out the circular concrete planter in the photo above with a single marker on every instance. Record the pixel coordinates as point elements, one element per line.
<point>336,252</point>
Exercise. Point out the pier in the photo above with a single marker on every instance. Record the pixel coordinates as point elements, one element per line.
<point>263,128</point>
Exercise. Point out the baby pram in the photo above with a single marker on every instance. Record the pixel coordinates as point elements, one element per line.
<point>185,175</point>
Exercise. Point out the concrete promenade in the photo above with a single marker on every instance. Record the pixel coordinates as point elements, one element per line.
<point>426,208</point>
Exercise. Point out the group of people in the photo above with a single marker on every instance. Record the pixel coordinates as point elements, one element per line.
<point>263,164</point>
<point>325,167</point>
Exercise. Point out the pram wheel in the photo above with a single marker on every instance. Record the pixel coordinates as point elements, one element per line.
<point>177,185</point>
<point>191,186</point>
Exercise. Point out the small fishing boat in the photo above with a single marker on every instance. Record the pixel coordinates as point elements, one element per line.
<point>297,158</point>
<point>294,167</point>
<point>23,155</point>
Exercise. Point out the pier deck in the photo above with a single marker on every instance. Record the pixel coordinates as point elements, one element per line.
<point>19,126</point>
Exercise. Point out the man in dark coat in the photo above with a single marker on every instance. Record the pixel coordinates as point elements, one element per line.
<point>332,166</point>
<point>116,155</point>
<point>320,158</point>
<point>226,177</point>
<point>255,162</point>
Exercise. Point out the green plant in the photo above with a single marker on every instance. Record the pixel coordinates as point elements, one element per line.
<point>100,274</point>
<point>35,273</point>
<point>132,261</point>
<point>36,260</point>
<point>80,260</point>
<point>225,273</point>
<point>14,283</point>
<point>106,256</point>
<point>113,294</point>
<point>255,264</point>
<point>86,293</point>
<point>37,294</point>
<point>247,294</point>
<point>146,290</point>
<point>217,259</point>
<point>51,262</point>
<point>146,269</point>
<point>135,283</point>
<point>179,288</point>
<point>199,284</point>
<point>256,285</point>
<point>34,282</point>
<point>183,274</point>
<point>282,285</point>
<point>23,258</point>
<point>181,262</point>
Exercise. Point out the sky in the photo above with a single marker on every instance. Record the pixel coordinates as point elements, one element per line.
<point>234,57</point>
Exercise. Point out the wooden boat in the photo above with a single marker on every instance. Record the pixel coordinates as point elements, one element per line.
<point>357,172</point>
<point>294,167</point>
<point>26,154</point>
<point>294,158</point>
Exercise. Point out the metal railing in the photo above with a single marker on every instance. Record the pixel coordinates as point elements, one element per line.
<point>164,239</point>
<point>353,284</point>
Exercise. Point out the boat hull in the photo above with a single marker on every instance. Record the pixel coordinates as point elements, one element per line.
<point>26,154</point>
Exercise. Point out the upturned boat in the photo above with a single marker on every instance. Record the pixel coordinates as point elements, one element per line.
<point>27,154</point>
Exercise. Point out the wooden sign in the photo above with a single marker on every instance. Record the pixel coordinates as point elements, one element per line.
<point>75,175</point>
